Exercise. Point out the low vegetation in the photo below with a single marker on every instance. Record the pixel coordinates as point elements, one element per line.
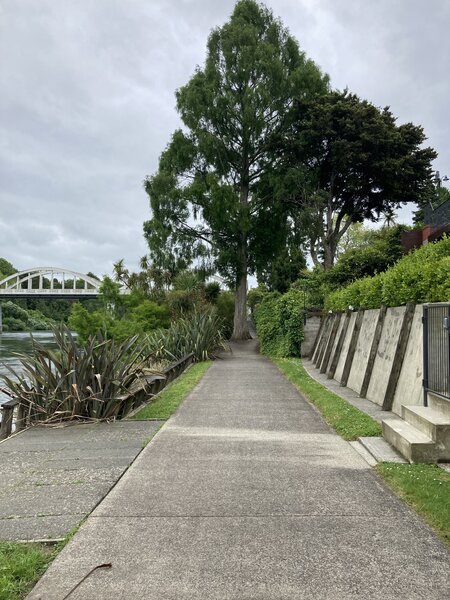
<point>344,418</point>
<point>16,318</point>
<point>78,382</point>
<point>419,277</point>
<point>426,488</point>
<point>200,333</point>
<point>21,565</point>
<point>169,399</point>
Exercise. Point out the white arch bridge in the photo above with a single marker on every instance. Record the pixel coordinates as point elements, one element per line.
<point>47,282</point>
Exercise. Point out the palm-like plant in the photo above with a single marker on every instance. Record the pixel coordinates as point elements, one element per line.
<point>200,333</point>
<point>74,382</point>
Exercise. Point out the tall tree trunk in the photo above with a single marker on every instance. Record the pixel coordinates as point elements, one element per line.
<point>240,325</point>
<point>328,255</point>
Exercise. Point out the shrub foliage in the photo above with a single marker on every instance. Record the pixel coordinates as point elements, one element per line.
<point>279,323</point>
<point>421,276</point>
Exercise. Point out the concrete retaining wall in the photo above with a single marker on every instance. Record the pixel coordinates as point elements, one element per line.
<point>362,351</point>
<point>379,357</point>
<point>310,331</point>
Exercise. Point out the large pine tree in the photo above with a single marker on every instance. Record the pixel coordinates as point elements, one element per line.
<point>207,197</point>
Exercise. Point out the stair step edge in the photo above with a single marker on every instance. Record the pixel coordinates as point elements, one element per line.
<point>408,432</point>
<point>429,414</point>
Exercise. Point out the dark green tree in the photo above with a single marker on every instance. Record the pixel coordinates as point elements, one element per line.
<point>6,268</point>
<point>361,165</point>
<point>279,273</point>
<point>206,197</point>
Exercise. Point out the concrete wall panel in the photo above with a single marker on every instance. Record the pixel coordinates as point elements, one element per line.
<point>362,351</point>
<point>336,339</point>
<point>345,347</point>
<point>409,387</point>
<point>311,330</point>
<point>385,355</point>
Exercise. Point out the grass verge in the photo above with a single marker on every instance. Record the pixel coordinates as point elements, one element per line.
<point>348,421</point>
<point>21,565</point>
<point>169,399</point>
<point>426,488</point>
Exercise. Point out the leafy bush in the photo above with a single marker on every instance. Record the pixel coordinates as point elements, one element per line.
<point>314,285</point>
<point>421,276</point>
<point>184,301</point>
<point>78,382</point>
<point>212,292</point>
<point>225,311</point>
<point>279,323</point>
<point>200,333</point>
<point>145,317</point>
<point>16,318</point>
<point>356,264</point>
<point>87,323</point>
<point>255,296</point>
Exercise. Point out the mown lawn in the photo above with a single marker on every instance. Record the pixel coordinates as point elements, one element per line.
<point>170,398</point>
<point>424,487</point>
<point>345,419</point>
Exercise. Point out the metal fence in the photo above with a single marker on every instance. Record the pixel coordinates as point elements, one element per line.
<point>436,350</point>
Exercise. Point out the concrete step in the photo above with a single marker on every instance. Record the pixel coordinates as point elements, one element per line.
<point>426,419</point>
<point>433,424</point>
<point>380,450</point>
<point>439,404</point>
<point>414,445</point>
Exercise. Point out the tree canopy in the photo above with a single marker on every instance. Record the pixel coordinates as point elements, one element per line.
<point>208,196</point>
<point>350,161</point>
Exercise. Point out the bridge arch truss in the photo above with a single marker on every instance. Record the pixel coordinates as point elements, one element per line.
<point>53,281</point>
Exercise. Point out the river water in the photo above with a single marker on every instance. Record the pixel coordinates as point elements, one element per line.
<point>18,342</point>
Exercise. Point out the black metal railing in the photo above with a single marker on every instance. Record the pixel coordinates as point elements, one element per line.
<point>436,350</point>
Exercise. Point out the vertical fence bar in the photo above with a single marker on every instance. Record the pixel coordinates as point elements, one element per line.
<point>425,355</point>
<point>448,350</point>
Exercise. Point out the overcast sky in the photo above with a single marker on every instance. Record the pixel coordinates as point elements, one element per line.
<point>87,104</point>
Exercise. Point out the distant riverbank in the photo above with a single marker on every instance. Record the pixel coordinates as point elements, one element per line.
<point>12,342</point>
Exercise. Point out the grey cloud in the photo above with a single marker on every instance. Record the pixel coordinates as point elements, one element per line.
<point>87,103</point>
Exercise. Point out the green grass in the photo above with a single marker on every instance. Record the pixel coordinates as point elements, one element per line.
<point>344,418</point>
<point>426,488</point>
<point>169,399</point>
<point>21,565</point>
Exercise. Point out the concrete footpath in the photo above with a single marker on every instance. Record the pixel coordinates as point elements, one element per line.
<point>246,494</point>
<point>51,478</point>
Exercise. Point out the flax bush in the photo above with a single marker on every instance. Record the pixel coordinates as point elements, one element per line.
<point>78,382</point>
<point>200,333</point>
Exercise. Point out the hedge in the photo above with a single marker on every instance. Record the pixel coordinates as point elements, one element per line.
<point>279,323</point>
<point>419,277</point>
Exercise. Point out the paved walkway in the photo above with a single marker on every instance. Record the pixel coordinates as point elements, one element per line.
<point>51,478</point>
<point>246,494</point>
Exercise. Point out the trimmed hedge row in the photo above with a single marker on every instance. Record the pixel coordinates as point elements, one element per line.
<point>421,276</point>
<point>279,323</point>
